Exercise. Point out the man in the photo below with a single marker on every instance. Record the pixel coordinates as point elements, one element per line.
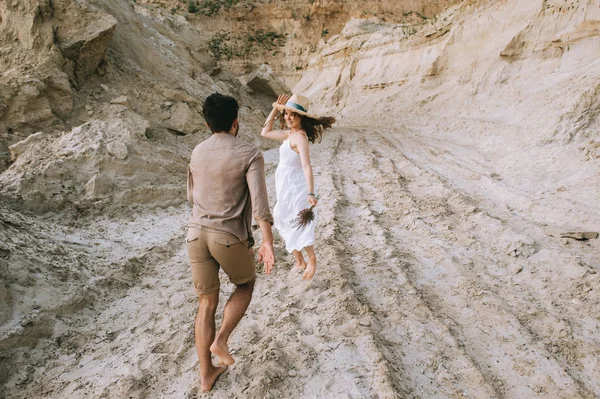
<point>226,185</point>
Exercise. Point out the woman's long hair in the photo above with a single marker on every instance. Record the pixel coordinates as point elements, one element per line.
<point>312,126</point>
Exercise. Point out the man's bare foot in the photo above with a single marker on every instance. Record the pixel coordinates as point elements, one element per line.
<point>222,350</point>
<point>311,268</point>
<point>209,381</point>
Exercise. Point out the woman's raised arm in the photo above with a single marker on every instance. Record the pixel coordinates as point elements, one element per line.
<point>267,131</point>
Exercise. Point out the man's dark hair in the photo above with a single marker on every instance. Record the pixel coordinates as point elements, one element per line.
<point>219,112</point>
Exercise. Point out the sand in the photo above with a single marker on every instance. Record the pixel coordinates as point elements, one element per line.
<point>461,149</point>
<point>426,287</point>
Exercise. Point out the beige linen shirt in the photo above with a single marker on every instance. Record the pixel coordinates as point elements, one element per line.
<point>226,185</point>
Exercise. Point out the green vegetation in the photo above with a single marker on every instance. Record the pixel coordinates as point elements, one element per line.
<point>224,45</point>
<point>423,17</point>
<point>193,6</point>
<point>266,40</point>
<point>218,46</point>
<point>212,7</point>
<point>418,14</point>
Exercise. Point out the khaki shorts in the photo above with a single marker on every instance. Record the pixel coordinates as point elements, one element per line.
<point>208,249</point>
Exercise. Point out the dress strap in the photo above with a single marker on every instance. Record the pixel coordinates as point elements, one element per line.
<point>301,132</point>
<point>289,140</point>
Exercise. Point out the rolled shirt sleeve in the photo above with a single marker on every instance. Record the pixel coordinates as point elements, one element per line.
<point>255,177</point>
<point>190,185</point>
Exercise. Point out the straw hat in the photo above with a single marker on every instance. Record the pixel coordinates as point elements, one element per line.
<point>298,104</point>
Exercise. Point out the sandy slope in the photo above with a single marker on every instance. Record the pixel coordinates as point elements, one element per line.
<point>427,287</point>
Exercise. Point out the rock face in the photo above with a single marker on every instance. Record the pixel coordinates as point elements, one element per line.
<point>183,119</point>
<point>515,83</point>
<point>96,164</point>
<point>18,148</point>
<point>264,81</point>
<point>78,57</point>
<point>87,47</point>
<point>455,63</point>
<point>285,34</point>
<point>35,101</point>
<point>64,41</point>
<point>47,45</point>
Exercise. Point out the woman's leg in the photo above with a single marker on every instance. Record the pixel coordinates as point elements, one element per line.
<point>300,263</point>
<point>311,267</point>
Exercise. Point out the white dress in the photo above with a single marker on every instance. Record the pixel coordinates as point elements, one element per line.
<point>292,197</point>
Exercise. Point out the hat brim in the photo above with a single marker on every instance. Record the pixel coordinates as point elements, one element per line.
<point>282,107</point>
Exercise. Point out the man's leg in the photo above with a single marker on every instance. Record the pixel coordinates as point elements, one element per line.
<point>311,267</point>
<point>205,334</point>
<point>300,263</point>
<point>234,311</point>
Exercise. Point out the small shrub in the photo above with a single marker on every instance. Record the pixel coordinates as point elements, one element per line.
<point>266,40</point>
<point>193,7</point>
<point>212,7</point>
<point>218,46</point>
<point>423,17</point>
<point>225,45</point>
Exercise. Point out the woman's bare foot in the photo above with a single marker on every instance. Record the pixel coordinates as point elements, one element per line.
<point>209,381</point>
<point>222,350</point>
<point>300,263</point>
<point>311,268</point>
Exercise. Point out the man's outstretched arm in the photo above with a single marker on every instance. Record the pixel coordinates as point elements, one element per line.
<point>265,252</point>
<point>255,177</point>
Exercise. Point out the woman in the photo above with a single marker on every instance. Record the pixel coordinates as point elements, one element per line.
<point>294,181</point>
